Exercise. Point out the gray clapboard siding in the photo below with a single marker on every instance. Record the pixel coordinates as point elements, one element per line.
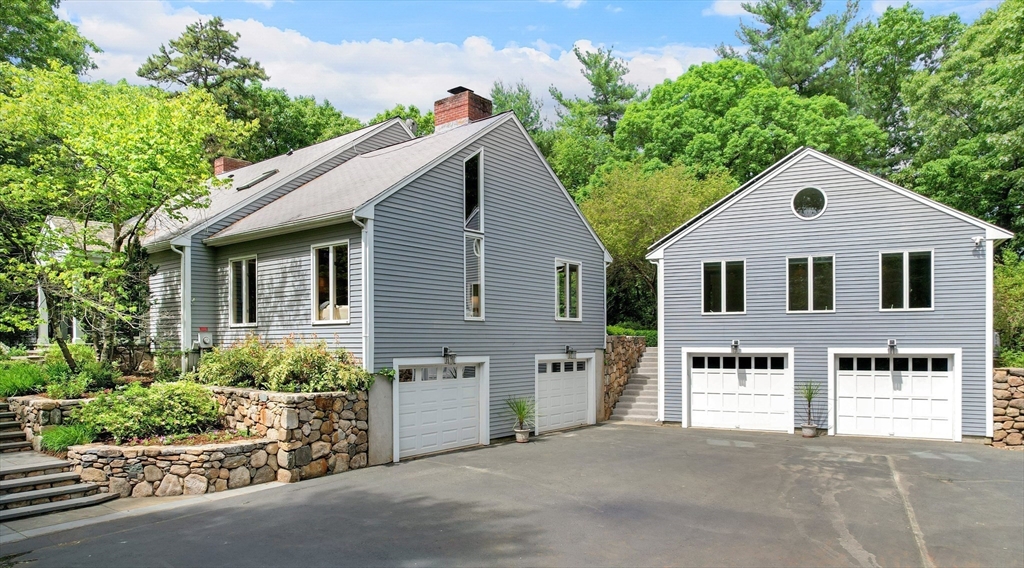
<point>205,283</point>
<point>165,300</point>
<point>284,289</point>
<point>862,219</point>
<point>528,222</point>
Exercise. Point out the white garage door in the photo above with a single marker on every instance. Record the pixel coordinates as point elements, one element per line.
<point>752,392</point>
<point>562,394</point>
<point>438,407</point>
<point>895,396</point>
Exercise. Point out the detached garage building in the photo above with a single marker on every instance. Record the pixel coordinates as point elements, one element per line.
<point>817,272</point>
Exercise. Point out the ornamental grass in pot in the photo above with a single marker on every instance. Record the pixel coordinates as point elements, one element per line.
<point>523,410</point>
<point>809,391</point>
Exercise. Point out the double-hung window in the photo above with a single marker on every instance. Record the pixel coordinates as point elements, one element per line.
<point>810,284</point>
<point>906,281</point>
<point>473,238</point>
<point>568,289</point>
<point>724,286</point>
<point>330,283</point>
<point>242,292</point>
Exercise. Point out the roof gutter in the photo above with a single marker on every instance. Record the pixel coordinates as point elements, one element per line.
<point>283,229</point>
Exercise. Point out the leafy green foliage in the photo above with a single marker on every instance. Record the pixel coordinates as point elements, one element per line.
<point>139,412</point>
<point>62,383</point>
<point>60,438</point>
<point>424,122</point>
<point>610,93</point>
<point>518,98</point>
<point>80,352</point>
<point>286,367</point>
<point>205,57</point>
<point>33,35</point>
<point>99,374</point>
<point>970,111</point>
<point>1012,358</point>
<point>17,351</point>
<point>523,410</point>
<point>579,146</point>
<point>168,368</point>
<point>795,47</point>
<point>664,197</point>
<point>650,335</point>
<point>1008,296</point>
<point>19,378</point>
<point>727,114</point>
<point>809,391</point>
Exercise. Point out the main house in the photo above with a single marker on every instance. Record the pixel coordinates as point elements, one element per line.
<point>817,272</point>
<point>457,259</point>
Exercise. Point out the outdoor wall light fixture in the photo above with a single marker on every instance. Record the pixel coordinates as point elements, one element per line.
<point>735,345</point>
<point>570,352</point>
<point>892,345</point>
<point>449,356</point>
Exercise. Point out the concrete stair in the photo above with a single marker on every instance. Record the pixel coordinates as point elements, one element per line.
<point>32,483</point>
<point>639,400</point>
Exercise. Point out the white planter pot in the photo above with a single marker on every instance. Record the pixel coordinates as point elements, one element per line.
<point>522,436</point>
<point>809,430</point>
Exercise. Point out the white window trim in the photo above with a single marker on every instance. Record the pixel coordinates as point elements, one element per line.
<point>722,263</point>
<point>465,293</point>
<point>792,206</point>
<point>480,177</point>
<point>313,284</point>
<point>810,284</point>
<point>245,290</point>
<point>956,353</point>
<point>591,386</point>
<point>485,394</point>
<point>906,280</point>
<point>579,290</point>
<point>690,351</point>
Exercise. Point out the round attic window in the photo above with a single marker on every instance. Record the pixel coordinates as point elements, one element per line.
<point>809,203</point>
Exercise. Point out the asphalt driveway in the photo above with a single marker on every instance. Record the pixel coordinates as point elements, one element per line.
<point>612,495</point>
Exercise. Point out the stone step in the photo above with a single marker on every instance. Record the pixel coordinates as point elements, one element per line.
<point>15,446</point>
<point>637,412</point>
<point>639,398</point>
<point>7,415</point>
<point>5,406</point>
<point>10,425</point>
<point>639,405</point>
<point>633,418</point>
<point>8,484</point>
<point>50,494</point>
<point>12,435</point>
<point>643,377</point>
<point>632,388</point>
<point>53,506</point>
<point>10,473</point>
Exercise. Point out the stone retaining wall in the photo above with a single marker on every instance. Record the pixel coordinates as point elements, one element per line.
<point>621,355</point>
<point>1008,408</point>
<point>145,471</point>
<point>317,433</point>
<point>38,412</point>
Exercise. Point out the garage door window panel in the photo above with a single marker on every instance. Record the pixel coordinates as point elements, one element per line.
<point>906,280</point>
<point>724,287</point>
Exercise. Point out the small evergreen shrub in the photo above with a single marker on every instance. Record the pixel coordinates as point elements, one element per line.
<point>60,438</point>
<point>61,383</point>
<point>650,335</point>
<point>244,364</point>
<point>19,378</point>
<point>80,352</point>
<point>100,375</point>
<point>138,412</point>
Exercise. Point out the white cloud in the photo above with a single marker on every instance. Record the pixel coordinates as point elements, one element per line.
<point>363,77</point>
<point>264,3</point>
<point>573,4</point>
<point>879,6</point>
<point>613,9</point>
<point>725,8</point>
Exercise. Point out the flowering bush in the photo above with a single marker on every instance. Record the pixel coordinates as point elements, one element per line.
<point>137,412</point>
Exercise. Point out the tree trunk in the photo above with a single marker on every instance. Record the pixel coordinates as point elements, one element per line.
<point>59,338</point>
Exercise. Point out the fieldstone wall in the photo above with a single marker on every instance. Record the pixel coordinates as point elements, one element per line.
<point>316,433</point>
<point>146,471</point>
<point>621,355</point>
<point>36,413</point>
<point>1008,407</point>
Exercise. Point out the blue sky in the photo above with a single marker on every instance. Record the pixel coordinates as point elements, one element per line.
<point>367,56</point>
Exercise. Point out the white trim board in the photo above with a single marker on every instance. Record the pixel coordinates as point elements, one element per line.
<point>591,384</point>
<point>991,231</point>
<point>485,394</point>
<point>955,352</point>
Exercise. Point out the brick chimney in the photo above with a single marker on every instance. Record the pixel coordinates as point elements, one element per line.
<point>462,107</point>
<point>224,164</point>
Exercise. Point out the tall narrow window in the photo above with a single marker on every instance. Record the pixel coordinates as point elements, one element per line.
<point>473,200</point>
<point>906,280</point>
<point>242,293</point>
<point>568,286</point>
<point>330,286</point>
<point>810,284</point>
<point>474,277</point>
<point>724,286</point>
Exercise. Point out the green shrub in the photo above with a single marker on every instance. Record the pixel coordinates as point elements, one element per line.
<point>244,364</point>
<point>650,335</point>
<point>80,352</point>
<point>1008,295</point>
<point>61,383</point>
<point>99,375</point>
<point>138,412</point>
<point>17,351</point>
<point>168,369</point>
<point>1011,358</point>
<point>20,378</point>
<point>60,438</point>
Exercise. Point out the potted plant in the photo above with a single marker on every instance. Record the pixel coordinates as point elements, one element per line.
<point>523,409</point>
<point>809,391</point>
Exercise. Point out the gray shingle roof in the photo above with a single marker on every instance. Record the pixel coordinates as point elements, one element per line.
<point>224,198</point>
<point>356,182</point>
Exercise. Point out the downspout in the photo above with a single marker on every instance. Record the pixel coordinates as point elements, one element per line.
<point>185,298</point>
<point>366,247</point>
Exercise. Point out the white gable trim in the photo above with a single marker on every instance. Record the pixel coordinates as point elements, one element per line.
<point>992,232</point>
<point>185,236</point>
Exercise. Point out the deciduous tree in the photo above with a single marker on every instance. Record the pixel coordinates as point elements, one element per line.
<point>31,34</point>
<point>424,122</point>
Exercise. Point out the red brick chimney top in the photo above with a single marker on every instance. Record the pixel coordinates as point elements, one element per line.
<point>463,107</point>
<point>224,164</point>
